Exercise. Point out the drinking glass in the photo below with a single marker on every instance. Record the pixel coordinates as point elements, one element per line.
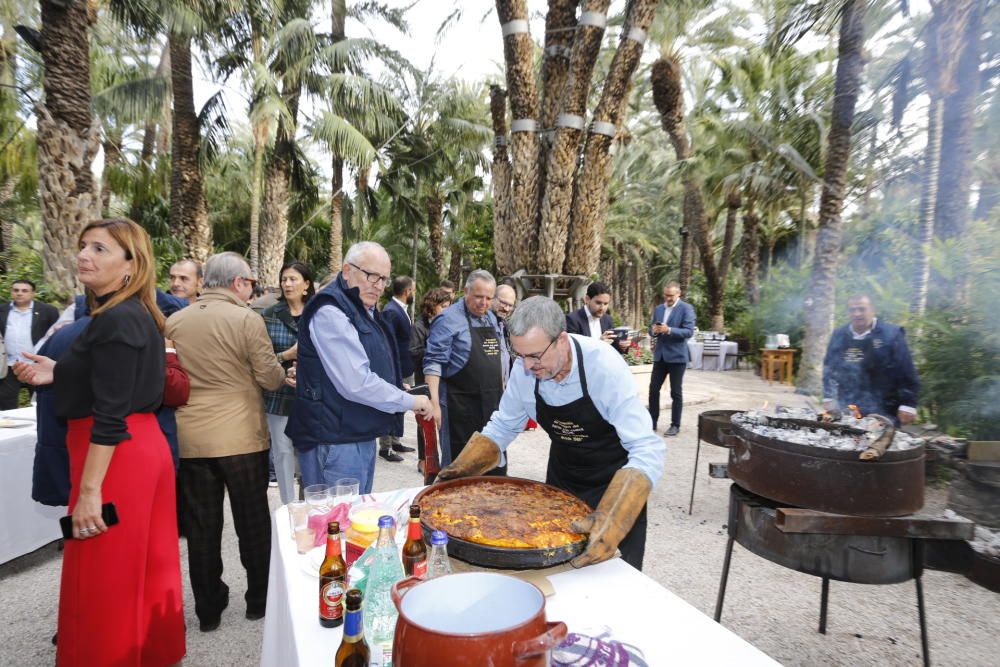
<point>298,515</point>
<point>318,498</point>
<point>346,490</point>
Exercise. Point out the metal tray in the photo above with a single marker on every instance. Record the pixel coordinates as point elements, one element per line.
<point>508,558</point>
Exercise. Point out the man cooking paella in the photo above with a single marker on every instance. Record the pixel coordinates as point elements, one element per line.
<point>603,448</point>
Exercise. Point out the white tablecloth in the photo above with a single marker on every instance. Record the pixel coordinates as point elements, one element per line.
<point>724,362</point>
<point>667,629</point>
<point>24,524</point>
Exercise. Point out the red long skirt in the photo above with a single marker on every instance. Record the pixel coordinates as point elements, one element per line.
<point>120,603</point>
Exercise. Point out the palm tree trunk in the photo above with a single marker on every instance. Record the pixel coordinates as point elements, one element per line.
<point>188,210</point>
<point>68,139</point>
<point>750,244</point>
<point>669,100</point>
<point>274,208</point>
<point>733,203</point>
<point>522,213</point>
<point>256,179</point>
<point>455,265</point>
<point>6,223</point>
<point>560,29</point>
<point>593,178</point>
<point>112,158</point>
<point>684,267</point>
<point>558,190</point>
<point>338,17</point>
<point>336,256</point>
<point>503,235</point>
<point>822,287</point>
<point>435,232</point>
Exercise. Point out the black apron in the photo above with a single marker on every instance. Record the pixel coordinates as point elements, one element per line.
<point>585,454</point>
<point>474,392</point>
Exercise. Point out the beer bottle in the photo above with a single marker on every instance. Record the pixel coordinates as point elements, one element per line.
<point>332,580</point>
<point>415,551</point>
<point>353,651</point>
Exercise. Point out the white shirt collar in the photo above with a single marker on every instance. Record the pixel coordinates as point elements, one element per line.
<point>31,306</point>
<point>863,334</point>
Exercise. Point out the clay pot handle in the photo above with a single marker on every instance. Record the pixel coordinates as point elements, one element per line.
<point>401,587</point>
<point>530,649</point>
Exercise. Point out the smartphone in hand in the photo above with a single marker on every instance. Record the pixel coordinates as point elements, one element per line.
<point>108,513</point>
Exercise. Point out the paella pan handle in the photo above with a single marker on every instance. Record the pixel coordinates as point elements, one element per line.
<point>532,649</point>
<point>729,439</point>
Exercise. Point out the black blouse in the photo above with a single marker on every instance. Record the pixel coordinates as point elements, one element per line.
<point>113,369</point>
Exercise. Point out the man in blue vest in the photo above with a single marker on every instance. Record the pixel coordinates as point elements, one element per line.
<point>348,381</point>
<point>868,364</point>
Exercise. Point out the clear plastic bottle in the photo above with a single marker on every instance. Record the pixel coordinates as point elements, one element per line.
<point>380,613</point>
<point>438,564</point>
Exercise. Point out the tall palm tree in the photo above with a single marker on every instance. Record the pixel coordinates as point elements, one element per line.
<point>68,137</point>
<point>946,35</point>
<point>822,285</point>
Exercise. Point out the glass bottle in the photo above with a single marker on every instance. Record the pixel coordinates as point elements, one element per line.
<point>438,564</point>
<point>332,580</point>
<point>415,551</point>
<point>353,651</point>
<point>380,612</point>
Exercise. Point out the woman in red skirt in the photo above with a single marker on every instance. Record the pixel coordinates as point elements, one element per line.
<point>120,602</point>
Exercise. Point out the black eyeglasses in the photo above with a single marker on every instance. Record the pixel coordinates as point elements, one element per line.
<point>536,357</point>
<point>371,276</point>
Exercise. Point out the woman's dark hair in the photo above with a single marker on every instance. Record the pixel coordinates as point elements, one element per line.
<point>303,271</point>
<point>432,298</point>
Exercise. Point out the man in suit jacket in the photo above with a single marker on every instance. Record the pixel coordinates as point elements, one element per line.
<point>672,325</point>
<point>396,317</point>
<point>593,319</point>
<point>23,322</point>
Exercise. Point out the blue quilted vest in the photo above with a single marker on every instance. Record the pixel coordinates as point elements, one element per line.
<point>320,414</point>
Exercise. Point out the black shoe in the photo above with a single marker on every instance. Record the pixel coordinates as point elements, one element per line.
<point>390,455</point>
<point>254,615</point>
<point>54,638</point>
<point>403,448</point>
<point>673,430</point>
<point>209,626</point>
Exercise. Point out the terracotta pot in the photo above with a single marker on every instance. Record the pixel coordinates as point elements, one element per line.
<point>472,618</point>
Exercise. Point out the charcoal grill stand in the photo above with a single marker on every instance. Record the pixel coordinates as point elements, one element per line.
<point>792,537</point>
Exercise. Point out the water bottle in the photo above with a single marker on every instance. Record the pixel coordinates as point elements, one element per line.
<point>380,613</point>
<point>438,564</point>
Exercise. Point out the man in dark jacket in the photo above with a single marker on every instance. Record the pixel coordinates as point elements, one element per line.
<point>397,319</point>
<point>868,364</point>
<point>593,318</point>
<point>672,325</point>
<point>23,322</point>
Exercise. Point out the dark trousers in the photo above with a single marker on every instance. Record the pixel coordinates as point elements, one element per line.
<point>204,483</point>
<point>661,370</point>
<point>10,388</point>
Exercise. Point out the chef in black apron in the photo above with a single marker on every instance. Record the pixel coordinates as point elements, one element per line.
<point>473,393</point>
<point>611,466</point>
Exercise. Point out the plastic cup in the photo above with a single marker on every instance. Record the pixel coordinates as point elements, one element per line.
<point>304,536</point>
<point>346,490</point>
<point>318,498</point>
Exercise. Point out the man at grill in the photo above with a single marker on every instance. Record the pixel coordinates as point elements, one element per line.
<point>603,448</point>
<point>868,364</point>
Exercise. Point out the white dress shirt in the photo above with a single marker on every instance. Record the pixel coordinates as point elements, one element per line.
<point>406,309</point>
<point>17,337</point>
<point>595,324</point>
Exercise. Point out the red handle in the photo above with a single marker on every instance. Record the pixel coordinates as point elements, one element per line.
<point>529,649</point>
<point>431,465</point>
<point>401,587</point>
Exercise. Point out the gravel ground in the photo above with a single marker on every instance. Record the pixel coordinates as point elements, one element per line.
<point>773,608</point>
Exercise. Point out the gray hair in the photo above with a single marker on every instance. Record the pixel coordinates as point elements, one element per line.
<point>362,249</point>
<point>479,274</point>
<point>541,312</point>
<point>222,269</point>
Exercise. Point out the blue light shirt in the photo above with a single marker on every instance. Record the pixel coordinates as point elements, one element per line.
<point>449,342</point>
<point>346,363</point>
<point>612,390</point>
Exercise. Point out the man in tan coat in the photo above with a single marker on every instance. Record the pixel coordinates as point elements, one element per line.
<point>223,434</point>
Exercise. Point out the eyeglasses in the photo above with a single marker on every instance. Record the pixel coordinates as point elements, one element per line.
<point>536,357</point>
<point>504,303</point>
<point>371,276</point>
